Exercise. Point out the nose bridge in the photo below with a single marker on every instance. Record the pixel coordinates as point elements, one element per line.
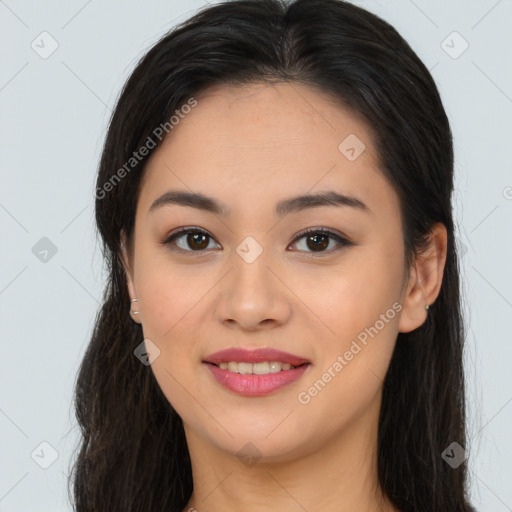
<point>250,250</point>
<point>254,294</point>
<point>251,262</point>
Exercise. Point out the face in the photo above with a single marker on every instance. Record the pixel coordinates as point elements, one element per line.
<point>248,277</point>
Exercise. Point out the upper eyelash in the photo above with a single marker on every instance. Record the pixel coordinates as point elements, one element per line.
<point>322,231</point>
<point>342,241</point>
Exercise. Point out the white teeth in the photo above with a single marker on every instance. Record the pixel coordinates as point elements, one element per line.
<point>274,367</point>
<point>261,368</point>
<point>255,368</point>
<point>244,368</point>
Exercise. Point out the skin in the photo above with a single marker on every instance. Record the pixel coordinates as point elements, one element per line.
<point>251,147</point>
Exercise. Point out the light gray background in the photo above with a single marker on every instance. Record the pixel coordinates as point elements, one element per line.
<point>53,115</point>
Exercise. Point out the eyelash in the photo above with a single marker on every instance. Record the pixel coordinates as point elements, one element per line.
<point>343,242</point>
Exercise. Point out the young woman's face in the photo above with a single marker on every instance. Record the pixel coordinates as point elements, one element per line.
<point>246,277</point>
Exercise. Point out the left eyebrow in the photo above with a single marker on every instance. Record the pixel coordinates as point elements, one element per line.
<point>329,198</point>
<point>291,205</point>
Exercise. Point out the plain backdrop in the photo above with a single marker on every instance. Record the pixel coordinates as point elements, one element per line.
<point>62,67</point>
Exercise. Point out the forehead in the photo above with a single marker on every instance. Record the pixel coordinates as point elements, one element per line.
<point>266,140</point>
<point>262,117</point>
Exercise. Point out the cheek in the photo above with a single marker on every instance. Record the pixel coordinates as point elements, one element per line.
<point>353,362</point>
<point>170,296</point>
<point>350,298</point>
<point>171,301</point>
<point>361,308</point>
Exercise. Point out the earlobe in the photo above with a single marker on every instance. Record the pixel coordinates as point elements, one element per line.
<point>425,280</point>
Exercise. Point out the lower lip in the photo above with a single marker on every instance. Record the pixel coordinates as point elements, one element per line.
<point>256,385</point>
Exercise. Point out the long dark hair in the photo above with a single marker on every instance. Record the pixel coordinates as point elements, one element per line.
<point>133,454</point>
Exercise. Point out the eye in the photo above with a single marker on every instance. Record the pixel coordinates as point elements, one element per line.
<point>195,238</point>
<point>318,239</point>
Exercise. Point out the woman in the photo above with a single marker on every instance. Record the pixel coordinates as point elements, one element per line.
<point>281,328</point>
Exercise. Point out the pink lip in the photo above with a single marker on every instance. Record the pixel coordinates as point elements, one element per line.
<point>259,355</point>
<point>251,384</point>
<point>255,385</point>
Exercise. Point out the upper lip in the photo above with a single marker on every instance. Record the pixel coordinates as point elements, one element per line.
<point>258,355</point>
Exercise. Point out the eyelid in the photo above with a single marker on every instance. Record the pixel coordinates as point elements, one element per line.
<point>321,230</point>
<point>184,231</point>
<point>341,239</point>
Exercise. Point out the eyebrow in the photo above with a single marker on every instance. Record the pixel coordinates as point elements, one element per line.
<point>292,205</point>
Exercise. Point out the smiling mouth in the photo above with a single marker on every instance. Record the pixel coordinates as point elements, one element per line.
<point>261,368</point>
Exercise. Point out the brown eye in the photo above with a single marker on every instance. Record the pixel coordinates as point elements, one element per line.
<point>190,240</point>
<point>195,240</point>
<point>317,240</point>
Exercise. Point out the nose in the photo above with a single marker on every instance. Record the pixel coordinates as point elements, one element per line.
<point>254,295</point>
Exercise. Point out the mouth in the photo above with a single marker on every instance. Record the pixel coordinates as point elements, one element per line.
<point>256,372</point>
<point>261,368</point>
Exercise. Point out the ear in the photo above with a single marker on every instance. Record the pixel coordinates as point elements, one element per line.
<point>127,265</point>
<point>425,279</point>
